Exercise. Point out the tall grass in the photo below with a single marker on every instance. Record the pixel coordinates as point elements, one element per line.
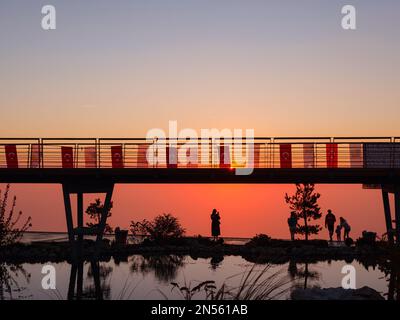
<point>255,284</point>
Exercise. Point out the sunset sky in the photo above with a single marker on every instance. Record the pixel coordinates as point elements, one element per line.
<point>120,68</point>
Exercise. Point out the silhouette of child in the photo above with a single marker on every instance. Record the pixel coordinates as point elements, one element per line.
<point>338,232</point>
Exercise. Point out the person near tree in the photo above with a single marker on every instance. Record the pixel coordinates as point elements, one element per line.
<point>330,221</point>
<point>292,222</point>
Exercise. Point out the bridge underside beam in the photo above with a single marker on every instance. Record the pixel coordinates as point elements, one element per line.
<point>78,178</point>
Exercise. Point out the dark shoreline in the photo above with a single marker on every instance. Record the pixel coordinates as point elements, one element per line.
<point>278,252</point>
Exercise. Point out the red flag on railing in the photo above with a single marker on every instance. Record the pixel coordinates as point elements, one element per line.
<point>172,157</point>
<point>11,156</point>
<point>308,155</point>
<point>142,156</point>
<point>285,152</point>
<point>193,155</point>
<point>224,157</point>
<point>67,154</point>
<point>356,159</point>
<point>117,157</point>
<point>331,155</point>
<point>35,156</point>
<point>257,155</point>
<point>90,157</point>
<point>256,149</point>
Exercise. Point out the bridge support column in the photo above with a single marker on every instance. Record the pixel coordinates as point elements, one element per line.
<point>388,215</point>
<point>80,215</point>
<point>80,189</point>
<point>104,214</point>
<point>397,212</point>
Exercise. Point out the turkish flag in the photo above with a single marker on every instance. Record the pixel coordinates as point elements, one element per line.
<point>192,154</point>
<point>35,156</point>
<point>257,153</point>
<point>356,159</point>
<point>331,155</point>
<point>224,157</point>
<point>11,155</point>
<point>142,155</point>
<point>308,155</point>
<point>285,152</point>
<point>172,157</point>
<point>117,157</point>
<point>67,154</point>
<point>90,157</point>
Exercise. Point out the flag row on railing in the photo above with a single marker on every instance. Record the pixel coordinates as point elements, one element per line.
<point>307,155</point>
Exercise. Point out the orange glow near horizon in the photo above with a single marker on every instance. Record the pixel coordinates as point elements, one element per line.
<point>245,210</point>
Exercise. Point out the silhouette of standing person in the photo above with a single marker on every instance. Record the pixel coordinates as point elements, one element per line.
<point>292,222</point>
<point>330,220</point>
<point>346,228</point>
<point>215,224</point>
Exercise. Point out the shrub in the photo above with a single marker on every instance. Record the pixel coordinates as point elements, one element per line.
<point>260,240</point>
<point>349,242</point>
<point>368,238</point>
<point>163,227</point>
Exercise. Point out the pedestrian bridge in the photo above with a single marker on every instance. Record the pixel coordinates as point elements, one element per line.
<point>93,165</point>
<point>372,160</point>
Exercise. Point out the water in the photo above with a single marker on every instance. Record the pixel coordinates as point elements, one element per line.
<point>150,277</point>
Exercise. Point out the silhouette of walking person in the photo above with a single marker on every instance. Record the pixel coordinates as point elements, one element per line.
<point>330,220</point>
<point>215,224</point>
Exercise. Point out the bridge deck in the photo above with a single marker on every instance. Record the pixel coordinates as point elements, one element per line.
<point>372,160</point>
<point>216,175</point>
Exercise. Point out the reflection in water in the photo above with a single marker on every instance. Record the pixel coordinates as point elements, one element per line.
<point>96,286</point>
<point>143,277</point>
<point>391,270</point>
<point>165,267</point>
<point>303,275</point>
<point>216,262</point>
<point>10,278</point>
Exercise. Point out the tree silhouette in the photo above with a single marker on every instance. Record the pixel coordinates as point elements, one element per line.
<point>94,211</point>
<point>304,203</point>
<point>9,220</point>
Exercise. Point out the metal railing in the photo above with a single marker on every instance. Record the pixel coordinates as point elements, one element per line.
<point>262,152</point>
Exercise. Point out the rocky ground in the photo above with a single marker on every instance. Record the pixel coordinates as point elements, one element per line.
<point>364,293</point>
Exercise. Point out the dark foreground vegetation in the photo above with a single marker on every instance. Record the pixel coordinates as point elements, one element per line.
<point>258,250</point>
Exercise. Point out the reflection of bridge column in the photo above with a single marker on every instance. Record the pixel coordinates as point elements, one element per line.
<point>80,189</point>
<point>76,278</point>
